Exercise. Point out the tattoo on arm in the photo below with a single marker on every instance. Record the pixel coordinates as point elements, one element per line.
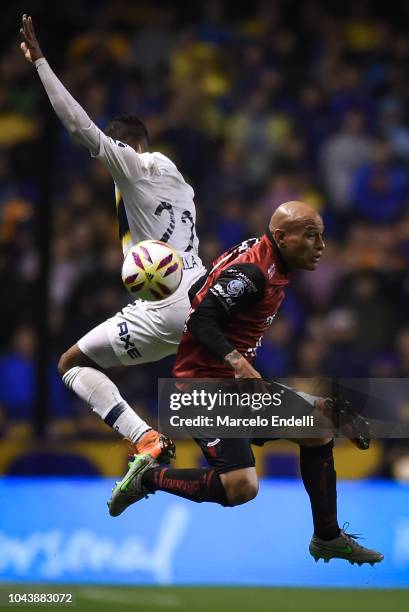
<point>232,358</point>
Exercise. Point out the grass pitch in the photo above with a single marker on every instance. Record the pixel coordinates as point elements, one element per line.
<point>198,599</point>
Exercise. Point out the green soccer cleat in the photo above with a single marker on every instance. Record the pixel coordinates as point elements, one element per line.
<point>345,547</point>
<point>130,489</point>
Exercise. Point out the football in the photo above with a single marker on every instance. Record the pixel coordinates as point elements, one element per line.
<point>151,270</point>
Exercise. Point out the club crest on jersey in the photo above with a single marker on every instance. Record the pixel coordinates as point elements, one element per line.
<point>271,271</point>
<point>235,288</point>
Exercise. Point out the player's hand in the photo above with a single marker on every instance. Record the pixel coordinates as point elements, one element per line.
<point>242,368</point>
<point>30,47</point>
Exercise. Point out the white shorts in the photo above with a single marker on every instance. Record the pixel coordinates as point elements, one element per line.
<point>141,332</point>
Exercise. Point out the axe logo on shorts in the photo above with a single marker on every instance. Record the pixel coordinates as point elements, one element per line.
<point>125,337</point>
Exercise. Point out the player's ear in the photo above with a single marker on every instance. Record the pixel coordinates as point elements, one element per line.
<point>279,238</point>
<point>139,148</point>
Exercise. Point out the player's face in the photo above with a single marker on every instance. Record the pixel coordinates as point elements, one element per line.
<point>304,244</point>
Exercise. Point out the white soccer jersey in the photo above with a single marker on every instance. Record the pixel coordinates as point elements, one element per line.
<point>153,201</point>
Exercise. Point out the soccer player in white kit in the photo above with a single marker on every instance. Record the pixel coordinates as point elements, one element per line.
<point>153,201</point>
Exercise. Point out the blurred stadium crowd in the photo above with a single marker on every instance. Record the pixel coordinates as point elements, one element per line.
<point>278,101</point>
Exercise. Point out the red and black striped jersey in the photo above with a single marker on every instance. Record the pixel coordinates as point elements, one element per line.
<point>232,309</point>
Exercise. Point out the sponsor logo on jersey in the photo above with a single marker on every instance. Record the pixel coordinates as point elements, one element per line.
<point>235,288</point>
<point>271,271</point>
<point>218,291</point>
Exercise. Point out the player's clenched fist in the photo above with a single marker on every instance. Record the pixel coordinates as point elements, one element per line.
<point>29,46</point>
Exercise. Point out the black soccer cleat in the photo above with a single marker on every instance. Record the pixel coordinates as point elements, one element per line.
<point>346,420</point>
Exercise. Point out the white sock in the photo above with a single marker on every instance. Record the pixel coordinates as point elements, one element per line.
<point>95,388</point>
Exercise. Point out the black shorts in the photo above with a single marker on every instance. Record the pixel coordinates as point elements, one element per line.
<point>227,454</point>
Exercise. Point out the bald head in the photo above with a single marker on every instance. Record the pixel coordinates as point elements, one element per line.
<point>297,230</point>
<point>290,214</point>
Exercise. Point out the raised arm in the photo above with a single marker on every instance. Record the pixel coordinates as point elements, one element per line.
<point>121,160</point>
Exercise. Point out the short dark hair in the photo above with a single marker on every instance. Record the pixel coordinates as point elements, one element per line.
<point>128,129</point>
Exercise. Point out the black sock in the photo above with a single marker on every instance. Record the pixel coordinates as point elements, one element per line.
<point>320,480</point>
<point>196,484</point>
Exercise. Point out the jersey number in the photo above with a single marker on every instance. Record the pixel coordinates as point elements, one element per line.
<point>186,218</point>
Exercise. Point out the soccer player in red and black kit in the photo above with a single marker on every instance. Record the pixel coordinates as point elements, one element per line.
<point>230,313</point>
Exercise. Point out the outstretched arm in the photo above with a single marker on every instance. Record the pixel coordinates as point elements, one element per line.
<point>72,115</point>
<point>120,160</point>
